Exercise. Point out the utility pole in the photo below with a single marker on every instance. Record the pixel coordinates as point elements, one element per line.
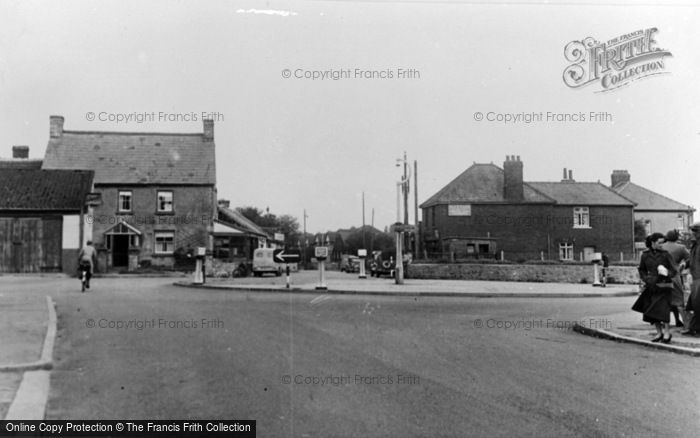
<point>305,241</point>
<point>406,188</point>
<point>416,234</point>
<point>364,240</point>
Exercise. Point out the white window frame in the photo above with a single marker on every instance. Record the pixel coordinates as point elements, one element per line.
<point>158,239</point>
<point>166,202</point>
<point>566,251</point>
<point>582,217</point>
<point>123,195</point>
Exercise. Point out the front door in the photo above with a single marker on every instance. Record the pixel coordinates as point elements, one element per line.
<point>120,250</point>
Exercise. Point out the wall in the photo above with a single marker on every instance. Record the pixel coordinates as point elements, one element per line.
<point>559,273</point>
<point>193,211</point>
<point>524,231</point>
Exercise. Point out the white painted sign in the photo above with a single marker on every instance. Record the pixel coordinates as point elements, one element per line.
<point>459,210</point>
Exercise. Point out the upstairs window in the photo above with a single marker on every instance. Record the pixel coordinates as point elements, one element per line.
<point>165,202</point>
<point>124,202</point>
<point>581,217</point>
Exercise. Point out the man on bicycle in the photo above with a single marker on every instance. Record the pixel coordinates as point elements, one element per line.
<point>88,257</point>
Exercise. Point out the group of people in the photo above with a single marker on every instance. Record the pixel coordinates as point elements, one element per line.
<point>662,270</point>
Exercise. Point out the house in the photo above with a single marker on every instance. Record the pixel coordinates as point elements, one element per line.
<point>158,191</point>
<point>41,218</point>
<point>487,210</point>
<point>236,236</point>
<point>657,212</point>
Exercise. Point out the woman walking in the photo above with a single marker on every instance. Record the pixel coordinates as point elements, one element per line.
<point>656,269</point>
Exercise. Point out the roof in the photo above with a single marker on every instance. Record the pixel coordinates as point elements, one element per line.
<point>482,183</point>
<point>21,163</point>
<point>584,193</point>
<point>236,220</point>
<point>44,190</point>
<point>649,200</point>
<point>135,158</point>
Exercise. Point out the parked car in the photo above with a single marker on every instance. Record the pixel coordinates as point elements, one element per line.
<point>349,263</point>
<point>380,266</point>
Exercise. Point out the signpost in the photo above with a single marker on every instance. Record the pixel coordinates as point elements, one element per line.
<point>286,256</point>
<point>321,254</point>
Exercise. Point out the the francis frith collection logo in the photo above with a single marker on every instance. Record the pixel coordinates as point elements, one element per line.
<point>614,63</point>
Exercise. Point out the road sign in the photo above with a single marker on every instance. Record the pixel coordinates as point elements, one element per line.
<point>401,228</point>
<point>286,255</point>
<point>321,252</point>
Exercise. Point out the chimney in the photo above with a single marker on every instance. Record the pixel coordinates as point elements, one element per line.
<point>513,179</point>
<point>208,129</point>
<point>56,126</point>
<point>571,175</point>
<point>20,151</point>
<point>619,177</point>
<point>225,203</point>
<point>563,178</point>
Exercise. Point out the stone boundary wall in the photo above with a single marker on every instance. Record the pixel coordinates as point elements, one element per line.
<point>530,273</point>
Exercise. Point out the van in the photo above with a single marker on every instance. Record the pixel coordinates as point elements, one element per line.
<point>263,262</point>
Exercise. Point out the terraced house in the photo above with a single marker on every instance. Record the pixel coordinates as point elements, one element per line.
<point>488,209</point>
<point>158,191</point>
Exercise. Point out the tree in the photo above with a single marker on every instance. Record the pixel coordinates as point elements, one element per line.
<point>285,224</point>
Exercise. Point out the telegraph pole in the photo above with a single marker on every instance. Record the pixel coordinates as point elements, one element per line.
<point>415,208</point>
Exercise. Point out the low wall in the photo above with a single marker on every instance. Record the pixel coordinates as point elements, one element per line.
<point>533,273</point>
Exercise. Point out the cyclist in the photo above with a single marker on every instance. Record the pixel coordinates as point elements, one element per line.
<point>88,257</point>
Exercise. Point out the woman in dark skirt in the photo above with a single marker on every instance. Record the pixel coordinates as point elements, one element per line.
<point>656,269</point>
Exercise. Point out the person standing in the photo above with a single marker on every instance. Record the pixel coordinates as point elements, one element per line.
<point>656,270</point>
<point>693,305</point>
<point>680,255</point>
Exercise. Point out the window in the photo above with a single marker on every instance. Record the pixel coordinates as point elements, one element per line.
<point>124,202</point>
<point>222,248</point>
<point>581,217</point>
<point>566,251</point>
<point>647,226</point>
<point>164,242</point>
<point>165,202</point>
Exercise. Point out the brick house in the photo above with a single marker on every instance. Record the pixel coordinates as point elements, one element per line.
<point>41,212</point>
<point>488,209</point>
<point>158,191</point>
<point>658,213</point>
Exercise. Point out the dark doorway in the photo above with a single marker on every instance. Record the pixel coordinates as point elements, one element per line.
<point>120,250</point>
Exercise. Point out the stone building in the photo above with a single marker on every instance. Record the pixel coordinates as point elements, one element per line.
<point>158,191</point>
<point>488,209</point>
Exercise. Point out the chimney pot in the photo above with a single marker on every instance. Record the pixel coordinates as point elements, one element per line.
<point>564,177</point>
<point>20,151</point>
<point>208,129</point>
<point>55,126</point>
<point>571,175</point>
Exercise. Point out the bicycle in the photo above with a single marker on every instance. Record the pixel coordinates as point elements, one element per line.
<point>84,269</point>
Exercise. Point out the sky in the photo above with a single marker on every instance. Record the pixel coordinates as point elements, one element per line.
<point>410,77</point>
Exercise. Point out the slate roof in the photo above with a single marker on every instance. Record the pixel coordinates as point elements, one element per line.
<point>135,158</point>
<point>649,200</point>
<point>236,220</point>
<point>44,190</point>
<point>482,183</point>
<point>21,163</point>
<point>580,193</point>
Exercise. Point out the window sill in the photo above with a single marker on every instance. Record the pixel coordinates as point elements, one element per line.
<point>583,228</point>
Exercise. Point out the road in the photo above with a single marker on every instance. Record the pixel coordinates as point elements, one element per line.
<point>313,365</point>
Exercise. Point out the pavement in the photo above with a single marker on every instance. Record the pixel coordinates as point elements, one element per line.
<point>28,323</point>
